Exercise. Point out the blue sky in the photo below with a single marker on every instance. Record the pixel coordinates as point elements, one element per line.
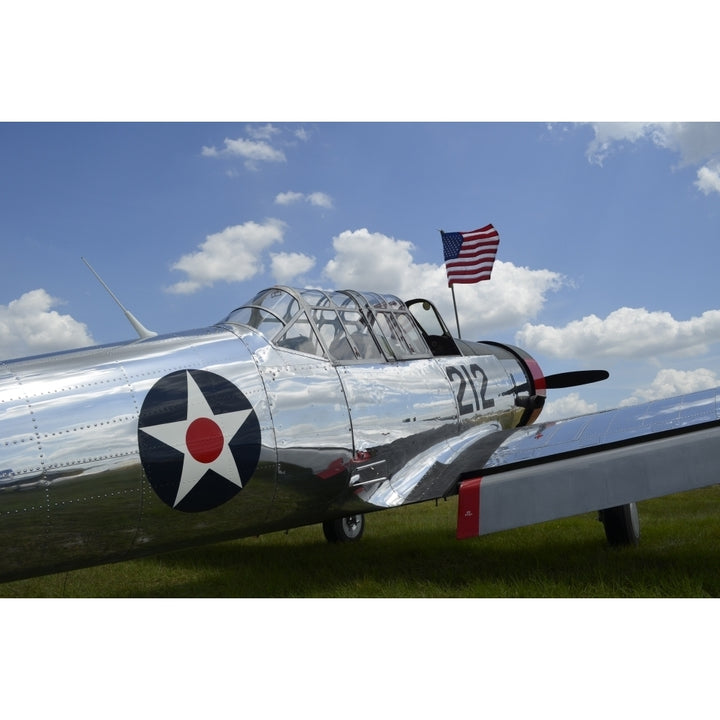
<point>608,229</point>
<point>608,233</point>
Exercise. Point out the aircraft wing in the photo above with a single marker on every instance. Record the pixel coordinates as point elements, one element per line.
<point>545,471</point>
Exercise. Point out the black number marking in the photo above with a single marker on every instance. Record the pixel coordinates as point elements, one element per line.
<point>453,372</point>
<point>486,402</point>
<point>466,378</point>
<point>472,385</point>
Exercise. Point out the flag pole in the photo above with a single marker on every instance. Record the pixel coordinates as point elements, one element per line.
<point>457,322</point>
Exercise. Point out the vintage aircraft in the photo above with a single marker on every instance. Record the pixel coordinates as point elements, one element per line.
<point>306,406</point>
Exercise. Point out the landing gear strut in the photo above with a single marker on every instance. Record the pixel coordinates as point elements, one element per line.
<point>622,525</point>
<point>346,529</point>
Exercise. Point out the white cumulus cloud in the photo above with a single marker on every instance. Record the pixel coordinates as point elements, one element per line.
<point>571,405</point>
<point>285,267</point>
<point>709,178</point>
<point>29,326</point>
<point>372,261</point>
<point>288,198</point>
<point>232,255</point>
<point>253,151</point>
<point>669,383</point>
<point>611,135</point>
<point>263,132</point>
<point>627,332</point>
<point>319,199</point>
<point>696,143</point>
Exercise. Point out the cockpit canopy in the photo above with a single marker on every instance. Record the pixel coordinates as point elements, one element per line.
<point>343,326</point>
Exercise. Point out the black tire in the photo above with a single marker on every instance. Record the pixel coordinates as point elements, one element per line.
<point>622,524</point>
<point>346,529</point>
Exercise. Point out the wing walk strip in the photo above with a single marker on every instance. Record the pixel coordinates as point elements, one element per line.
<point>577,484</point>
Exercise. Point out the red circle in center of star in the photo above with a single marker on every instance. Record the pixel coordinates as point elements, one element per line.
<point>204,440</point>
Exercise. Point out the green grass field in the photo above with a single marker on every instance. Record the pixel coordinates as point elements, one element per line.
<point>412,552</point>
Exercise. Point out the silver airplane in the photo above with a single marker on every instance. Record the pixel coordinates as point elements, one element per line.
<point>302,407</point>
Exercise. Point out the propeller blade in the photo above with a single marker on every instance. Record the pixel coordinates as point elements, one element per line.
<point>566,380</point>
<point>575,377</point>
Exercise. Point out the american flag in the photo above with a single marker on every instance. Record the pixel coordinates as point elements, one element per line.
<point>469,256</point>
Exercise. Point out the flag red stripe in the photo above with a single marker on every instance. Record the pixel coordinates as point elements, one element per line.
<point>487,230</point>
<point>480,244</point>
<point>465,269</point>
<point>489,256</point>
<point>469,262</point>
<point>465,274</point>
<point>469,267</point>
<point>483,237</point>
<point>469,280</point>
<point>470,277</point>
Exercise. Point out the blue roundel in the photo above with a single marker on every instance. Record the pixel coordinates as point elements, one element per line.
<point>199,440</point>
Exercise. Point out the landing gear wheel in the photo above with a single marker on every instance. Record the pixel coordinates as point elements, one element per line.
<point>622,525</point>
<point>347,529</point>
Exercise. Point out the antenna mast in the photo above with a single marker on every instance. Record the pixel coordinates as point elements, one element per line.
<point>140,329</point>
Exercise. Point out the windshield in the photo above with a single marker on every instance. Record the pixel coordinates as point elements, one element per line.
<point>343,326</point>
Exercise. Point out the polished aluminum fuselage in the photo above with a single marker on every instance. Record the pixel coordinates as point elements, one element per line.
<point>335,439</point>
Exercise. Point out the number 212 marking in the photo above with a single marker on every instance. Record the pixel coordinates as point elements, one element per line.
<point>468,377</point>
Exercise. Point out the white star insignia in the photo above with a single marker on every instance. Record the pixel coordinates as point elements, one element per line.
<point>203,439</point>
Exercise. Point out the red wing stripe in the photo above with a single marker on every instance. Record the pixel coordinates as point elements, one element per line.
<point>468,520</point>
